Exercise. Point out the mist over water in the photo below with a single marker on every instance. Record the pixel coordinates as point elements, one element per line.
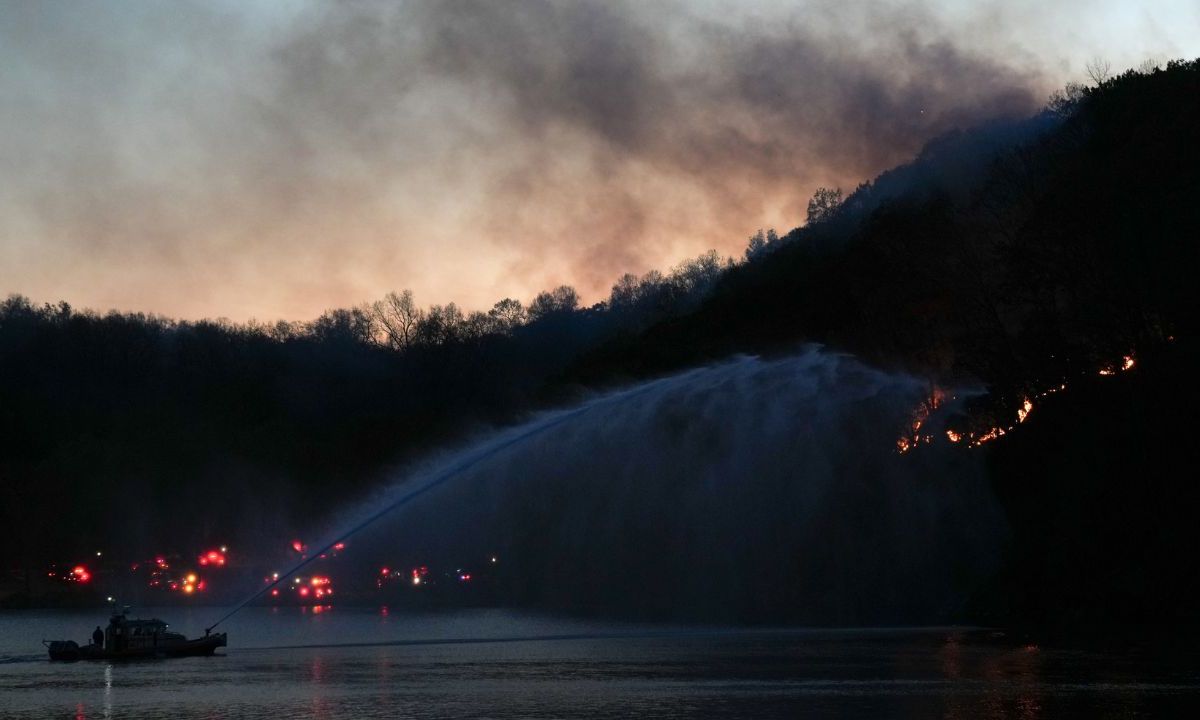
<point>751,491</point>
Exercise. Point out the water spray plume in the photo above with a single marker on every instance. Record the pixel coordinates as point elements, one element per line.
<point>503,442</point>
<point>708,495</point>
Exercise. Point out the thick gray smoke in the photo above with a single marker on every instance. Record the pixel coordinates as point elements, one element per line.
<point>275,162</point>
<point>757,490</point>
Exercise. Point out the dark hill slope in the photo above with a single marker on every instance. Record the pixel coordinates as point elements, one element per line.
<point>1075,245</point>
<point>1104,509</point>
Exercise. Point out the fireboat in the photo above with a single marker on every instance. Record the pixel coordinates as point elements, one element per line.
<point>128,638</point>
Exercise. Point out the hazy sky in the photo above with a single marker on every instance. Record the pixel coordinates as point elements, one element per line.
<point>272,160</point>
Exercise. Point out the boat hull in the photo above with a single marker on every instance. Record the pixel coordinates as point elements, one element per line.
<point>67,651</point>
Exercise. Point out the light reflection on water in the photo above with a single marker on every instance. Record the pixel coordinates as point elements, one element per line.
<point>508,665</point>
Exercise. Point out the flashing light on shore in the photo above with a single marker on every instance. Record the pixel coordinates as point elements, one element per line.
<point>213,557</point>
<point>384,572</point>
<point>494,559</point>
<point>190,584</point>
<point>80,574</point>
<point>298,546</point>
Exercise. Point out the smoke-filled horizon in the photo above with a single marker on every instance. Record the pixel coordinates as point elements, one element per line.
<point>272,161</point>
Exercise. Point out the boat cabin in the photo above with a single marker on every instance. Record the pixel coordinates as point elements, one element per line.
<point>124,633</point>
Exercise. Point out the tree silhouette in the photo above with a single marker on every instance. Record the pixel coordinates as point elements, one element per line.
<point>398,316</point>
<point>508,315</point>
<point>560,300</point>
<point>824,204</point>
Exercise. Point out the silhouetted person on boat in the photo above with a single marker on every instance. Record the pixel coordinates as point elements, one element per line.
<point>98,637</point>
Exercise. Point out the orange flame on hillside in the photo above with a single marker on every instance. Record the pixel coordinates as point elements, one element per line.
<point>937,397</point>
<point>921,414</point>
<point>1025,409</point>
<point>1022,413</point>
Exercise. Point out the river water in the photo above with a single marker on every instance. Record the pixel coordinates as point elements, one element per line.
<point>368,663</point>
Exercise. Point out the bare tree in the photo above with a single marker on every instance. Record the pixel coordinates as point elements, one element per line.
<point>1099,70</point>
<point>345,325</point>
<point>479,325</point>
<point>441,325</point>
<point>282,330</point>
<point>508,315</point>
<point>1066,101</point>
<point>697,275</point>
<point>624,292</point>
<point>562,299</point>
<point>398,317</point>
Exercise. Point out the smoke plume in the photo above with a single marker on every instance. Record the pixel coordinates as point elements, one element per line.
<point>200,161</point>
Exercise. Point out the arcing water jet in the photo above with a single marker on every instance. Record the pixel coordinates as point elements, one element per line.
<point>752,490</point>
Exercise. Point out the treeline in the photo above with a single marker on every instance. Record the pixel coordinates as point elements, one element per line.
<point>397,323</point>
<point>136,431</point>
